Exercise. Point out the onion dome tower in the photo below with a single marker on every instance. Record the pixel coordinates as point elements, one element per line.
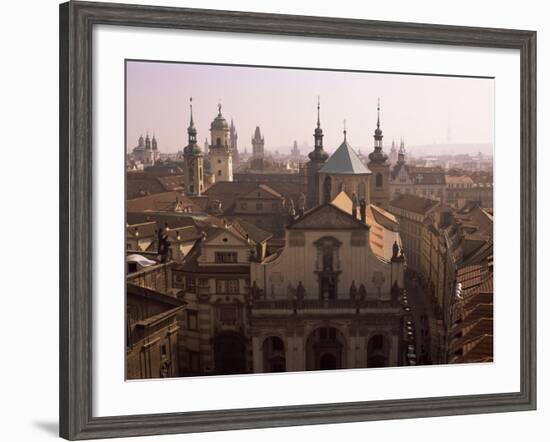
<point>380,167</point>
<point>220,154</point>
<point>317,159</point>
<point>193,159</point>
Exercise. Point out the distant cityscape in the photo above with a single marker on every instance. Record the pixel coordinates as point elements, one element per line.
<point>243,257</point>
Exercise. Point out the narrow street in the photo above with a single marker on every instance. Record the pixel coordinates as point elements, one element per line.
<point>422,315</point>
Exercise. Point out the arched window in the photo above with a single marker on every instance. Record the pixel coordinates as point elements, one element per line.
<point>379,180</point>
<point>361,190</point>
<point>219,173</point>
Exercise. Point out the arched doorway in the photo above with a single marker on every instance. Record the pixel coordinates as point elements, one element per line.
<point>327,362</point>
<point>274,358</point>
<point>325,349</point>
<point>229,353</point>
<point>327,190</point>
<point>377,352</point>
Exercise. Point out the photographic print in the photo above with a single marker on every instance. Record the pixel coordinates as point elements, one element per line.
<point>283,219</point>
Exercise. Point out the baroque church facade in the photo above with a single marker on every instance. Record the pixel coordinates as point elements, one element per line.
<point>331,298</point>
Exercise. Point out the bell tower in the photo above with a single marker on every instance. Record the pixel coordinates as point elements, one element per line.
<point>380,167</point>
<point>193,159</point>
<point>317,159</point>
<point>220,154</point>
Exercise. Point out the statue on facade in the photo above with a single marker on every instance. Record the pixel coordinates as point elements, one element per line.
<point>363,210</point>
<point>395,250</point>
<point>300,291</point>
<point>301,205</point>
<point>163,244</point>
<point>362,292</point>
<point>353,291</point>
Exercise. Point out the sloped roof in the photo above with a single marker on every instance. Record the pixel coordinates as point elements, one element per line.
<point>345,161</point>
<point>413,203</point>
<point>161,202</point>
<point>254,232</point>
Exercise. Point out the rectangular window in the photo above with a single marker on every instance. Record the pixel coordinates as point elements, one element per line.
<point>232,286</point>
<point>259,206</point>
<point>227,286</point>
<point>192,320</point>
<point>244,206</point>
<point>225,257</point>
<point>190,285</point>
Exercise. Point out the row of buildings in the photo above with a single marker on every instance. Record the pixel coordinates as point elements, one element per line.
<point>450,251</point>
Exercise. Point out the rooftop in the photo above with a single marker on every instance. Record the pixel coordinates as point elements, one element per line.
<point>345,161</point>
<point>413,203</point>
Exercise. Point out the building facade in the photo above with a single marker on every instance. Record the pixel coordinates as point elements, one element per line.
<point>330,299</point>
<point>426,182</point>
<point>152,334</point>
<point>215,278</point>
<point>411,212</point>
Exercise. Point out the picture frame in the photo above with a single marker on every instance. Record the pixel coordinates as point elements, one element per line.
<point>77,20</point>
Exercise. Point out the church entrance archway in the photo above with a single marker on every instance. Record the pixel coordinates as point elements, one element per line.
<point>230,353</point>
<point>377,351</point>
<point>325,349</point>
<point>274,359</point>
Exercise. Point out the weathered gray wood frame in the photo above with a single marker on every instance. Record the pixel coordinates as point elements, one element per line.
<point>76,161</point>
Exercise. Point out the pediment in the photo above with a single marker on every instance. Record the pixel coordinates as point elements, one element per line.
<point>327,217</point>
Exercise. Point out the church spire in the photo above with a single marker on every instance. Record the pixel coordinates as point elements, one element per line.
<point>402,152</point>
<point>378,155</point>
<point>378,112</point>
<point>318,155</point>
<point>192,146</point>
<point>191,123</point>
<point>345,131</point>
<point>318,111</point>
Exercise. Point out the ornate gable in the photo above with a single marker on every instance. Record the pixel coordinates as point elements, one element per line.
<point>327,217</point>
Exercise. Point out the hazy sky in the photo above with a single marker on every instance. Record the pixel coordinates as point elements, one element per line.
<point>421,109</point>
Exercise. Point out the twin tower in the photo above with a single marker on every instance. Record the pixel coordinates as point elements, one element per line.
<point>345,171</point>
<point>219,154</point>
